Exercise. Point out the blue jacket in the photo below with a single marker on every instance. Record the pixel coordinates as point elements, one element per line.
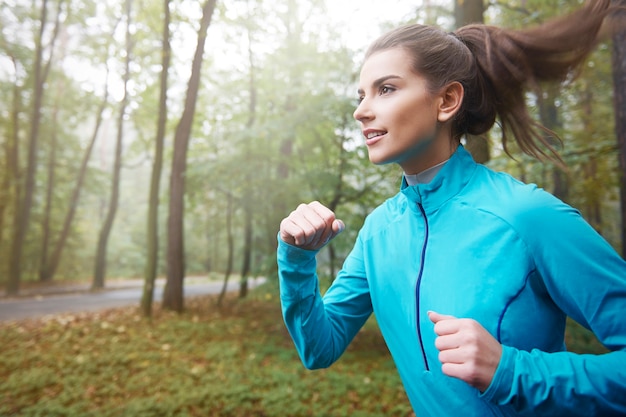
<point>476,244</point>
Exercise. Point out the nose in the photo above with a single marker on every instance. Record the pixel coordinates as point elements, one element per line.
<point>362,111</point>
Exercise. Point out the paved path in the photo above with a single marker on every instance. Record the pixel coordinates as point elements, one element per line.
<point>78,298</point>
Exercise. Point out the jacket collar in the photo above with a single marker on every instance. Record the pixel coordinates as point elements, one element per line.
<point>448,182</point>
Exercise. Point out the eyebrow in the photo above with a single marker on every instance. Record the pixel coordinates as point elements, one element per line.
<point>378,82</point>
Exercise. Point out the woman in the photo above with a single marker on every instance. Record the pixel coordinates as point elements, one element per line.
<point>471,274</point>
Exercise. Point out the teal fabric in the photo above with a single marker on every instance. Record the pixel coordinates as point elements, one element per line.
<point>476,244</point>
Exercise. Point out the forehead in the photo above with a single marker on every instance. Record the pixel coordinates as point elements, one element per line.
<point>395,61</point>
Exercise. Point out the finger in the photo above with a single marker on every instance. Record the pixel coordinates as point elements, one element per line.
<point>288,231</point>
<point>456,370</point>
<point>310,226</point>
<point>449,327</point>
<point>298,227</point>
<point>437,317</point>
<point>448,342</point>
<point>332,225</point>
<point>294,231</point>
<point>444,324</point>
<point>320,220</point>
<point>322,210</point>
<point>452,357</point>
<point>338,226</point>
<point>328,217</point>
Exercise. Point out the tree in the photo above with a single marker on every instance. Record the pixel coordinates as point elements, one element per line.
<point>52,161</point>
<point>10,188</point>
<point>24,207</point>
<point>247,200</point>
<point>173,292</point>
<point>468,11</point>
<point>51,257</point>
<point>153,205</point>
<point>105,231</point>
<point>619,80</point>
<point>549,115</point>
<point>231,244</point>
<point>465,13</point>
<point>49,267</point>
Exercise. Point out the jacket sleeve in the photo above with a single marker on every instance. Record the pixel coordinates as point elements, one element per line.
<point>586,279</point>
<point>321,328</point>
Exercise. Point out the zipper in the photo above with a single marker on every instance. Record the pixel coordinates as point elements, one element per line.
<point>418,287</point>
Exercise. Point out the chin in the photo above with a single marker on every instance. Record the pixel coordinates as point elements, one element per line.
<point>381,160</point>
<point>378,161</point>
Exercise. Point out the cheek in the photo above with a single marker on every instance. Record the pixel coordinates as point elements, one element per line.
<point>417,113</point>
<point>419,125</point>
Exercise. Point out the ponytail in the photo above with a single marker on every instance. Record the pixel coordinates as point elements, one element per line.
<point>513,61</point>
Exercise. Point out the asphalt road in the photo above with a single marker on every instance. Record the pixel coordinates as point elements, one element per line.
<point>78,300</point>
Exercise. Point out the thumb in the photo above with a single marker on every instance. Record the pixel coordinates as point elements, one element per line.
<point>338,227</point>
<point>436,317</point>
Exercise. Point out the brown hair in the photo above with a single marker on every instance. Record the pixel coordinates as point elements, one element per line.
<point>496,66</point>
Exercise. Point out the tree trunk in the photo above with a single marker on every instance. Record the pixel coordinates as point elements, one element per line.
<point>248,197</point>
<point>231,247</point>
<point>549,116</point>
<point>294,34</point>
<point>247,249</point>
<point>22,213</point>
<point>10,191</point>
<point>173,292</point>
<point>619,81</point>
<point>105,232</point>
<point>465,13</point>
<point>337,198</point>
<point>51,162</point>
<point>153,207</point>
<point>45,232</point>
<point>593,206</point>
<point>55,258</point>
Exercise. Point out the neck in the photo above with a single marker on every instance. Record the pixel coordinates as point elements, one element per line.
<point>425,176</point>
<point>435,155</point>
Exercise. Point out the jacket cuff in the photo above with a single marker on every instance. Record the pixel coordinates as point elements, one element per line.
<point>499,390</point>
<point>289,254</point>
<point>296,271</point>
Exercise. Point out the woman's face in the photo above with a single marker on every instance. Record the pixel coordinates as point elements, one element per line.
<point>399,115</point>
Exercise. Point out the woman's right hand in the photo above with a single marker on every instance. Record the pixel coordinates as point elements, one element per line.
<point>310,226</point>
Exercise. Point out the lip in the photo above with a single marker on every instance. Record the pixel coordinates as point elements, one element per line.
<point>375,139</point>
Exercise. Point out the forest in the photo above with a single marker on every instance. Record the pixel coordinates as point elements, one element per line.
<point>144,139</point>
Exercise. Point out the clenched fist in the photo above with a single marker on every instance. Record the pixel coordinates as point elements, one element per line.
<point>310,226</point>
<point>466,350</point>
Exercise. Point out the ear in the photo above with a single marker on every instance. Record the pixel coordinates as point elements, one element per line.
<point>451,99</point>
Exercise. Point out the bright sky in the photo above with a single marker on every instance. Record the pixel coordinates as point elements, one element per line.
<point>361,19</point>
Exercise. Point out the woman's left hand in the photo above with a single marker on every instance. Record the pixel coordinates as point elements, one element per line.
<point>466,350</point>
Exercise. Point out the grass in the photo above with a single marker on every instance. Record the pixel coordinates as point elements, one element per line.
<point>237,361</point>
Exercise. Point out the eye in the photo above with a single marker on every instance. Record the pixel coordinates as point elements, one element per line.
<point>360,99</point>
<point>385,89</point>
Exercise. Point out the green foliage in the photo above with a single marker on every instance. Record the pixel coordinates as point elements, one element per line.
<point>580,340</point>
<point>207,362</point>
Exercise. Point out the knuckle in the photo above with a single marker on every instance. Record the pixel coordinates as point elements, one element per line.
<point>438,343</point>
<point>308,230</point>
<point>438,328</point>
